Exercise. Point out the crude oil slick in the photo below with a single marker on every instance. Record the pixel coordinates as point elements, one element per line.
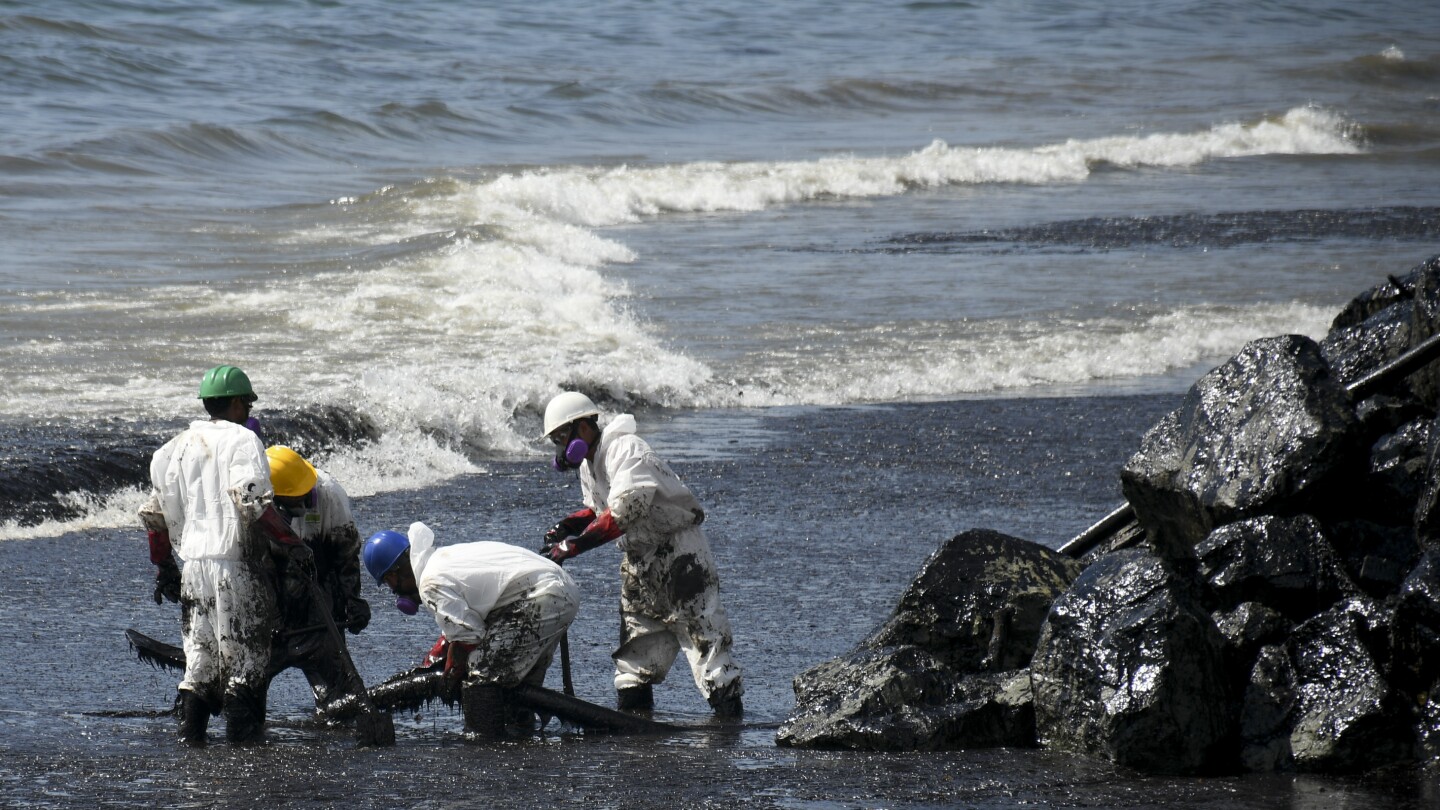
<point>817,539</point>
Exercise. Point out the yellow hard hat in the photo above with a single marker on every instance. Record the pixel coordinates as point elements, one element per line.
<point>291,475</point>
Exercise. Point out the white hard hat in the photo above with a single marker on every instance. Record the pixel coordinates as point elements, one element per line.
<point>566,408</point>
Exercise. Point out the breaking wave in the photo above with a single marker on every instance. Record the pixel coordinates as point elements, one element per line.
<point>452,309</point>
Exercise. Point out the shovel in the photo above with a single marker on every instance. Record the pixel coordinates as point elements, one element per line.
<point>565,656</point>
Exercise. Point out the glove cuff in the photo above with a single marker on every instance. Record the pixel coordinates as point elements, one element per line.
<point>160,550</point>
<point>603,529</point>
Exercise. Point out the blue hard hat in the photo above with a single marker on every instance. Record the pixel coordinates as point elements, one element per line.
<point>381,551</point>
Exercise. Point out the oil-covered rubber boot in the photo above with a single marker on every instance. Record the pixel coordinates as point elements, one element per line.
<point>635,698</point>
<point>484,707</point>
<point>519,720</point>
<point>726,700</point>
<point>244,715</point>
<point>194,718</point>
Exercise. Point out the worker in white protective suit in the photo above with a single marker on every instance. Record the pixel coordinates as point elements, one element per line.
<point>317,509</point>
<point>669,587</point>
<point>211,493</point>
<point>501,611</point>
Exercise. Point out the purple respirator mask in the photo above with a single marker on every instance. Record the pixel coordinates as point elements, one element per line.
<point>571,456</point>
<point>406,605</point>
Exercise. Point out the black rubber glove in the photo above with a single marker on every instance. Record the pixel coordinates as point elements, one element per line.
<point>357,615</point>
<point>572,525</point>
<point>167,582</point>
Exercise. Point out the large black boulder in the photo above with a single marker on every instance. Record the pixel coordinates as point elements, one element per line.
<point>1415,630</point>
<point>1131,667</point>
<point>1355,350</point>
<point>979,601</point>
<point>1376,556</point>
<point>1268,432</point>
<point>1248,628</point>
<point>1322,701</point>
<point>1426,516</point>
<point>1286,564</point>
<point>1400,466</point>
<point>1383,296</point>
<point>1424,322</point>
<point>946,670</point>
<point>904,699</point>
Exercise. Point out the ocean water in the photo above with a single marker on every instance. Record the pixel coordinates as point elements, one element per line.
<point>434,217</point>
<point>823,249</point>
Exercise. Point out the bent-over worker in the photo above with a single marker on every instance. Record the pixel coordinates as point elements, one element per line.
<point>501,611</point>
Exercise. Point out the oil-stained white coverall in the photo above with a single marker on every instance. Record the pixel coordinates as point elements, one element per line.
<point>669,587</point>
<point>512,604</point>
<point>327,525</point>
<point>211,483</point>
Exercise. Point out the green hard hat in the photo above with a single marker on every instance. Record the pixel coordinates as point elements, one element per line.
<point>226,381</point>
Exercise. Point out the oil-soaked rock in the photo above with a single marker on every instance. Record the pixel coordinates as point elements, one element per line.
<point>1398,475</point>
<point>1415,631</point>
<point>1266,711</point>
<point>1248,628</point>
<point>1426,518</point>
<point>1378,299</point>
<point>1424,322</point>
<point>1130,667</point>
<point>929,677</point>
<point>1387,413</point>
<point>1427,731</point>
<point>905,699</point>
<point>1268,432</point>
<point>979,601</point>
<point>1286,564</point>
<point>1354,351</point>
<point>1377,557</point>
<point>1323,702</point>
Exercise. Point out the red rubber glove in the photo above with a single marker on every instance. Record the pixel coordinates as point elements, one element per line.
<point>436,656</point>
<point>167,572</point>
<point>574,524</point>
<point>457,655</point>
<point>160,550</point>
<point>601,530</point>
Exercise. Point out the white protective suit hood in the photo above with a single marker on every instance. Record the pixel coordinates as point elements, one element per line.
<point>645,496</point>
<point>422,546</point>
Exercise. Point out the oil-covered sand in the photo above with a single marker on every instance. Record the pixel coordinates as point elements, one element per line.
<point>819,518</point>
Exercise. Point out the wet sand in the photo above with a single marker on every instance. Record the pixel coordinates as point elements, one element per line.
<point>819,518</point>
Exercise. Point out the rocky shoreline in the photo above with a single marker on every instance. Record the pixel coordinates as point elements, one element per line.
<point>1268,600</point>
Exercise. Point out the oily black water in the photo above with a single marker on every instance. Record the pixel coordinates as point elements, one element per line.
<point>819,518</point>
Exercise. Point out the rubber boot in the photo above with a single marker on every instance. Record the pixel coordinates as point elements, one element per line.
<point>244,715</point>
<point>194,718</point>
<point>484,708</point>
<point>519,720</point>
<point>726,700</point>
<point>635,698</point>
